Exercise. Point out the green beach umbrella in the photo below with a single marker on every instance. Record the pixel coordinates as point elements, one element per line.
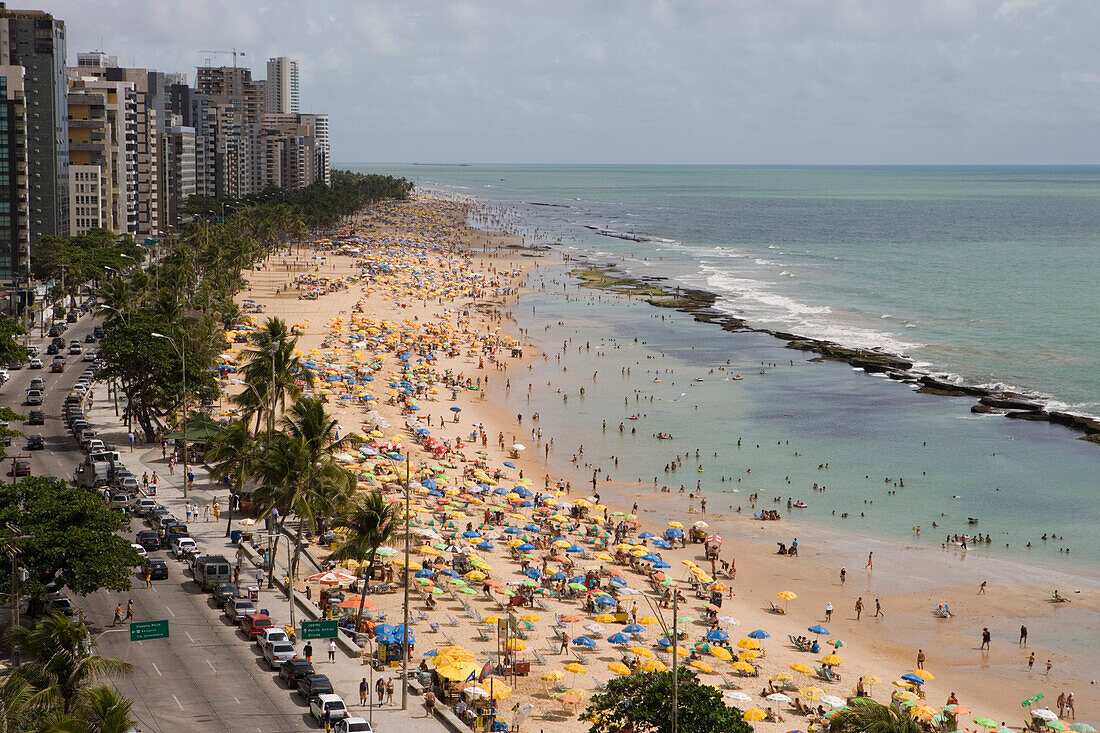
<point>437,591</point>
<point>987,723</point>
<point>577,586</point>
<point>1082,728</point>
<point>423,581</point>
<point>1056,724</point>
<point>386,552</point>
<point>467,591</point>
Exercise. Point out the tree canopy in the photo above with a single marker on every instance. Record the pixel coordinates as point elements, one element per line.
<point>71,540</point>
<point>642,703</point>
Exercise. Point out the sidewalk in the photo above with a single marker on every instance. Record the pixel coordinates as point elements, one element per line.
<point>346,671</point>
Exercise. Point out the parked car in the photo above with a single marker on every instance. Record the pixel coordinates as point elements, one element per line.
<point>90,338</point>
<point>148,539</point>
<point>331,704</point>
<point>224,593</point>
<point>353,725</point>
<point>181,546</point>
<point>278,652</point>
<point>269,635</point>
<point>314,684</point>
<point>36,442</point>
<point>293,670</point>
<point>254,623</point>
<point>21,468</point>
<point>157,568</point>
<point>238,608</point>
<point>91,355</point>
<point>141,551</point>
<point>57,603</point>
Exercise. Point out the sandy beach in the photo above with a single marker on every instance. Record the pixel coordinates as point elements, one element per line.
<point>450,285</point>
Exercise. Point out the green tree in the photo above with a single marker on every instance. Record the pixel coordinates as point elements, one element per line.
<point>18,704</point>
<point>641,702</point>
<point>60,659</point>
<point>235,454</point>
<point>372,521</point>
<point>71,539</point>
<point>100,709</point>
<point>271,372</point>
<point>864,715</point>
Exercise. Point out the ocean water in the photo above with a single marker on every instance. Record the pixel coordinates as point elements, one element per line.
<point>986,274</point>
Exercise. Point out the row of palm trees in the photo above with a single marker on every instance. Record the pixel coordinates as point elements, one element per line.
<point>55,690</point>
<point>294,474</point>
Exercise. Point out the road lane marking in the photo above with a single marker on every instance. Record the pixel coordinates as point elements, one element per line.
<point>157,668</point>
<point>170,611</point>
<point>236,700</point>
<point>190,637</point>
<point>178,701</point>
<point>212,669</point>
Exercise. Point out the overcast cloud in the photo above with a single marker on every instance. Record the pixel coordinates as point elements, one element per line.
<point>650,81</point>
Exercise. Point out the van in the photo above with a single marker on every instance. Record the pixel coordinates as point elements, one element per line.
<point>211,571</point>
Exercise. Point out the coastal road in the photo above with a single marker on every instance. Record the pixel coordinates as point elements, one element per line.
<point>204,677</point>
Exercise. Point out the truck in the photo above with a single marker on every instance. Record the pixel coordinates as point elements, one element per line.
<point>97,469</point>
<point>212,570</point>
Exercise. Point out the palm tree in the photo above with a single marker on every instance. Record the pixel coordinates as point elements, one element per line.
<point>60,659</point>
<point>867,716</point>
<point>372,522</point>
<point>234,454</point>
<point>272,371</point>
<point>17,704</point>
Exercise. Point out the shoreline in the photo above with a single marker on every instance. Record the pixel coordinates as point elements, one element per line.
<point>883,649</point>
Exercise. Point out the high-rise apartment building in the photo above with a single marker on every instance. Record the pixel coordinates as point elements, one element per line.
<point>35,40</point>
<point>182,180</point>
<point>281,88</point>
<point>15,237</point>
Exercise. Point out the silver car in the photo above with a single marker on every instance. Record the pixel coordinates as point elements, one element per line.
<point>278,652</point>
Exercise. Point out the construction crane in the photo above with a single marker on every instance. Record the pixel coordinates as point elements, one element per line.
<point>234,51</point>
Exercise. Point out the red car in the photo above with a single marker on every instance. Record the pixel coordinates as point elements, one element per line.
<point>253,624</point>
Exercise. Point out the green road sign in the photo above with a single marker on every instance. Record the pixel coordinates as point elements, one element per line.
<point>321,629</point>
<point>146,630</point>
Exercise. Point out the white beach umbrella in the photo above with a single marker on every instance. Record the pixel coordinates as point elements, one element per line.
<point>832,701</point>
<point>737,696</point>
<point>1045,714</point>
<point>778,697</point>
<point>728,621</point>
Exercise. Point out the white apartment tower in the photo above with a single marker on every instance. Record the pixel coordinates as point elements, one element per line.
<point>281,89</point>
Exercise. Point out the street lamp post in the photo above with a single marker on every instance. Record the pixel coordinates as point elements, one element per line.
<point>183,424</point>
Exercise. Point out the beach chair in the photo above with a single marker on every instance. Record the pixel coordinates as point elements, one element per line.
<point>578,656</point>
<point>729,683</point>
<point>539,659</point>
<point>380,617</point>
<point>559,687</point>
<point>421,616</point>
<point>482,636</point>
<point>521,634</point>
<point>452,621</point>
<point>600,686</point>
<point>449,639</point>
<point>777,609</point>
<point>476,615</point>
<point>828,675</point>
<point>556,633</point>
<point>542,605</point>
<point>434,626</point>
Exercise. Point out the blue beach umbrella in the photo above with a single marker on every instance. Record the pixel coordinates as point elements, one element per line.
<point>619,638</point>
<point>912,678</point>
<point>650,557</point>
<point>606,601</point>
<point>717,635</point>
<point>509,464</point>
<point>633,629</point>
<point>584,641</point>
<point>759,634</point>
<point>819,629</point>
<point>661,565</point>
<point>485,546</point>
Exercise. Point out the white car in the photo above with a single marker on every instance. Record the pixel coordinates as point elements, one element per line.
<point>181,546</point>
<point>353,725</point>
<point>139,549</point>
<point>270,636</point>
<point>91,355</point>
<point>278,652</point>
<point>332,704</point>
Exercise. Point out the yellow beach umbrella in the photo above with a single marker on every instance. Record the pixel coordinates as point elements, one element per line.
<point>923,674</point>
<point>531,618</point>
<point>720,652</point>
<point>779,677</point>
<point>786,595</point>
<point>515,645</point>
<point>811,692</point>
<point>905,684</point>
<point>641,651</point>
<point>802,668</point>
<point>457,670</point>
<point>832,659</point>
<point>743,667</point>
<point>576,668</point>
<point>748,654</point>
<point>653,665</point>
<point>748,644</point>
<point>675,525</point>
<point>647,620</point>
<point>872,680</point>
<point>753,715</point>
<point>905,696</point>
<point>619,668</point>
<point>491,620</point>
<point>553,675</point>
<point>700,665</point>
<point>605,618</point>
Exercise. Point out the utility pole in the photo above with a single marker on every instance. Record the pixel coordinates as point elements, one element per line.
<point>675,644</point>
<point>405,605</point>
<point>12,542</point>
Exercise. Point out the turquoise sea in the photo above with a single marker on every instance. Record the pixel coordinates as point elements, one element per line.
<point>985,275</point>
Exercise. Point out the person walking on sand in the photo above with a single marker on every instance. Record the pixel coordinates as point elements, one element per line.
<point>1031,661</point>
<point>981,588</point>
<point>1049,665</point>
<point>564,643</point>
<point>389,691</point>
<point>828,611</point>
<point>859,607</point>
<point>332,651</point>
<point>364,690</point>
<point>985,639</point>
<point>843,575</point>
<point>1069,706</point>
<point>870,561</point>
<point>1023,635</point>
<point>878,609</point>
<point>920,659</point>
<point>1061,704</point>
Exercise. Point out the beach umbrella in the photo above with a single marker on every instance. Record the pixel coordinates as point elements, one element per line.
<point>743,667</point>
<point>1082,728</point>
<point>987,722</point>
<point>923,674</point>
<point>907,677</point>
<point>905,696</point>
<point>758,634</point>
<point>786,595</point>
<point>553,675</point>
<point>606,601</point>
<point>619,668</point>
<point>778,697</point>
<point>1044,714</point>
<point>811,692</point>
<point>728,621</point>
<point>515,645</point>
<point>753,715</point>
<point>737,696</point>
<point>1055,725</point>
<point>819,629</point>
<point>833,701</point>
<point>832,659</point>
<point>748,654</point>
<point>584,641</point>
<point>720,652</point>
<point>456,409</point>
<point>654,665</point>
<point>748,644</point>
<point>701,666</point>
<point>904,684</point>
<point>576,669</point>
<point>872,680</point>
<point>676,525</point>
<point>802,668</point>
<point>619,639</point>
<point>594,627</point>
<point>957,710</point>
<point>717,635</point>
<point>641,651</point>
<point>633,629</point>
<point>647,620</point>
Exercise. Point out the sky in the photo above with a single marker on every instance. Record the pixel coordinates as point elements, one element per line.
<point>831,82</point>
